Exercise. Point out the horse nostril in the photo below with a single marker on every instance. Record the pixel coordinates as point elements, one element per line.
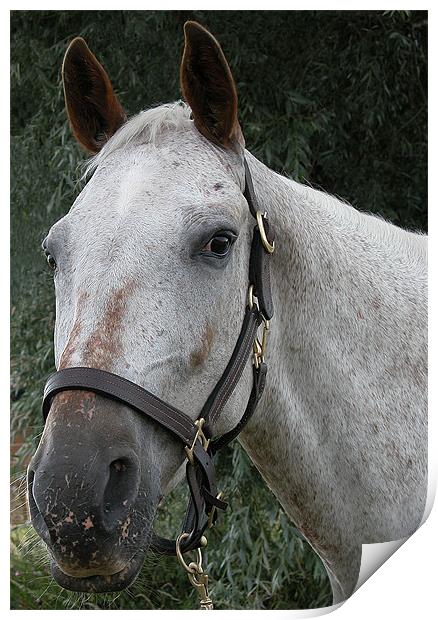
<point>121,490</point>
<point>119,465</point>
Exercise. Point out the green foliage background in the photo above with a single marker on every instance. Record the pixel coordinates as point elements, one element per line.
<point>335,99</point>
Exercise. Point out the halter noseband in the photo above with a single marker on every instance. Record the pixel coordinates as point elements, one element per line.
<point>196,435</point>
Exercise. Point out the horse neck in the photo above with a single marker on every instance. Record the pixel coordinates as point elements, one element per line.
<point>340,323</point>
<point>307,266</point>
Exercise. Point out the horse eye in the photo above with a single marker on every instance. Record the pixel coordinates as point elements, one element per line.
<point>50,260</point>
<point>219,245</point>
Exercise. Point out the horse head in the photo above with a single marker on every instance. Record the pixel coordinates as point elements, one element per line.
<point>151,276</point>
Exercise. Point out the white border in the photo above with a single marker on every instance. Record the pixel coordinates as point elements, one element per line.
<point>405,584</point>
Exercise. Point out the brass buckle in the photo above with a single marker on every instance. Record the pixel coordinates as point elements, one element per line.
<point>197,577</point>
<point>269,247</point>
<point>259,345</point>
<point>199,436</point>
<point>263,344</point>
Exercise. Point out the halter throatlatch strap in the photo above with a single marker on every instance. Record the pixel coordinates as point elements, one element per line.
<point>196,436</point>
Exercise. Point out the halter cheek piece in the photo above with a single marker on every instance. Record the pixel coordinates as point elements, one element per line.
<point>200,446</point>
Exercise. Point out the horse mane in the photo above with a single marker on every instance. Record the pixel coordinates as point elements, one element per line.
<point>145,127</point>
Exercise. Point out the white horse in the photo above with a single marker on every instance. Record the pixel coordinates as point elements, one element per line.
<point>151,269</point>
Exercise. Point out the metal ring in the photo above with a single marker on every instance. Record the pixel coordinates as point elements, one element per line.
<point>190,568</point>
<point>269,247</point>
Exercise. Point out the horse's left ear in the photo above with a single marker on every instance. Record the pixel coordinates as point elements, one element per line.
<point>93,109</point>
<point>208,87</point>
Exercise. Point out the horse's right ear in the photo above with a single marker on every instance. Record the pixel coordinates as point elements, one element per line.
<point>93,109</point>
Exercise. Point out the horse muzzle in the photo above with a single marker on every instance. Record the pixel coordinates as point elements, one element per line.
<point>86,497</point>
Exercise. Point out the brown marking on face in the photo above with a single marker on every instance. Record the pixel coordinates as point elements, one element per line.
<point>70,403</point>
<point>73,340</point>
<point>100,350</point>
<point>104,343</point>
<point>198,356</point>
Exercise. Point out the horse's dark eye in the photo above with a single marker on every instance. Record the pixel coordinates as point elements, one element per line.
<point>219,245</point>
<point>51,261</point>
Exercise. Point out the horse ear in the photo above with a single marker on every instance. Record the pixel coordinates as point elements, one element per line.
<point>208,87</point>
<point>93,109</point>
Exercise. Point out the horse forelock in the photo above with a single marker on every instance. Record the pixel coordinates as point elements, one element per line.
<point>145,127</point>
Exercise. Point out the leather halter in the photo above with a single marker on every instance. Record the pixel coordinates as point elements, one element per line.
<point>196,436</point>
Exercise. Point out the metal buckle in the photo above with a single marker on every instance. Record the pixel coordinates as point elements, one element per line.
<point>259,346</point>
<point>269,247</point>
<point>199,436</point>
<point>197,577</point>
